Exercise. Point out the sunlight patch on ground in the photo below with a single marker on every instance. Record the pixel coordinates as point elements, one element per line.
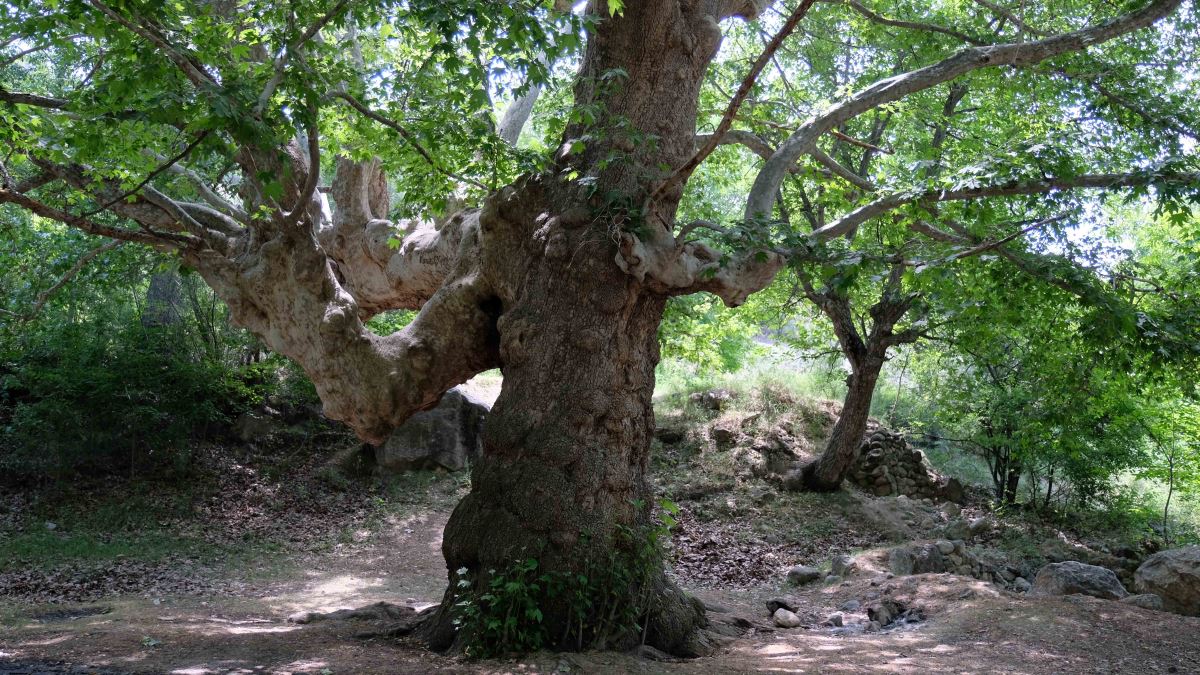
<point>45,643</point>
<point>939,649</point>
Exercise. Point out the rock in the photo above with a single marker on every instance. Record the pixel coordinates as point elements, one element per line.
<point>951,490</point>
<point>1069,577</point>
<point>1174,576</point>
<point>785,619</point>
<point>714,399</point>
<point>51,526</point>
<point>916,558</point>
<point>851,606</point>
<point>979,526</point>
<point>956,529</point>
<point>1144,600</point>
<point>780,603</point>
<point>832,579</point>
<point>842,565</point>
<point>885,612</point>
<point>1021,585</point>
<point>448,436</point>
<point>725,435</point>
<point>945,547</point>
<point>951,510</point>
<point>834,619</point>
<point>253,426</point>
<point>802,574</point>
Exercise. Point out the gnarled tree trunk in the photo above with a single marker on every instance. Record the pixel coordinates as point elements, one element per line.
<point>841,451</point>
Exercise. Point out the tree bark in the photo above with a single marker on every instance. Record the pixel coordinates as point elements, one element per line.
<point>562,479</point>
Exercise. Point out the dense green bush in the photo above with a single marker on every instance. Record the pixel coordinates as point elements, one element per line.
<point>82,399</point>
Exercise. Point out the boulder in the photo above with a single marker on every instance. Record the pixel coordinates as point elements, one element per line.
<point>951,490</point>
<point>802,574</point>
<point>713,400</point>
<point>841,565</point>
<point>1144,600</point>
<point>916,558</point>
<point>253,426</point>
<point>1072,576</point>
<point>956,529</point>
<point>448,436</point>
<point>785,619</point>
<point>1174,576</point>
<point>775,604</point>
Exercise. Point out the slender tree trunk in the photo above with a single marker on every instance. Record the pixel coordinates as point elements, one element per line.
<point>1012,479</point>
<point>828,471</point>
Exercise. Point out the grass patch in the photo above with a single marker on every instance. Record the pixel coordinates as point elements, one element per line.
<point>26,549</point>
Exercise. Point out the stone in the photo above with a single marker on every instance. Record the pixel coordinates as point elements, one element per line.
<point>834,619</point>
<point>851,606</point>
<point>916,558</point>
<point>951,490</point>
<point>1021,585</point>
<point>945,547</point>
<point>1144,600</point>
<point>979,526</point>
<point>952,510</point>
<point>253,426</point>
<point>1174,576</point>
<point>780,603</point>
<point>802,574</point>
<point>957,529</point>
<point>725,435</point>
<point>842,565</point>
<point>885,611</point>
<point>785,619</point>
<point>448,436</point>
<point>1072,576</point>
<point>714,399</point>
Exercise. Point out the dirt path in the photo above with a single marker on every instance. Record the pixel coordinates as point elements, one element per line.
<point>971,627</point>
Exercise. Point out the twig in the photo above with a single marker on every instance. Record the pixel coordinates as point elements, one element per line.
<point>685,171</point>
<point>406,135</point>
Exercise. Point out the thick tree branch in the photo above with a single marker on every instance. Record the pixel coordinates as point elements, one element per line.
<point>891,89</point>
<point>146,236</point>
<point>684,172</point>
<point>1093,181</point>
<point>874,17</point>
<point>193,72</point>
<point>21,98</point>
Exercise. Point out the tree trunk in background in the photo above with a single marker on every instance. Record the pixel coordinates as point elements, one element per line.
<point>163,300</point>
<point>827,472</point>
<point>1012,479</point>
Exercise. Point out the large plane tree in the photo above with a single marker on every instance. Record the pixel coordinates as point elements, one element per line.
<point>221,130</point>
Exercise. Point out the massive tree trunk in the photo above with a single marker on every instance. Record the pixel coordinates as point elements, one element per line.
<point>562,478</point>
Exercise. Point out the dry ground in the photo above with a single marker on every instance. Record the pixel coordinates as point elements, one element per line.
<point>971,628</point>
